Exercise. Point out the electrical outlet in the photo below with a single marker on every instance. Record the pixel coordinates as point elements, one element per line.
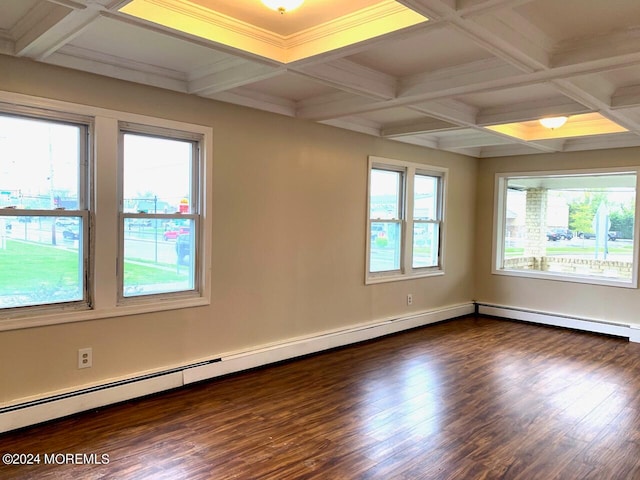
<point>85,358</point>
<point>409,299</point>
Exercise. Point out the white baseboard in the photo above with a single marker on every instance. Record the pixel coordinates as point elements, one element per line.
<point>57,406</point>
<point>557,320</point>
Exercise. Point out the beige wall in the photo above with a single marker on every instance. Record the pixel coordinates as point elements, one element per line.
<point>289,204</point>
<point>586,301</point>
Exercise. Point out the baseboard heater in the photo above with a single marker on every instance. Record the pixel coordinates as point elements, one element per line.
<point>559,320</point>
<point>28,413</point>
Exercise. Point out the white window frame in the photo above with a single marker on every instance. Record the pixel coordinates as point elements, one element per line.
<point>85,124</point>
<point>409,170</point>
<point>193,215</point>
<point>102,220</point>
<point>500,222</point>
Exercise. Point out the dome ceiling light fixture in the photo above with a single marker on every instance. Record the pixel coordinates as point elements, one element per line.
<point>283,6</point>
<point>553,122</point>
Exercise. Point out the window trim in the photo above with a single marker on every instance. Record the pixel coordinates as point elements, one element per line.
<point>194,215</point>
<point>409,171</point>
<point>499,228</point>
<point>85,126</point>
<point>102,198</point>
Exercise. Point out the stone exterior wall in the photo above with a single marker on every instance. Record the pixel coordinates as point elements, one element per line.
<point>576,266</point>
<point>536,223</point>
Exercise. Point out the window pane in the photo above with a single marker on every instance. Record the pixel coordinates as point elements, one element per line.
<point>385,193</point>
<point>425,205</point>
<point>40,164</point>
<point>385,247</point>
<point>158,256</point>
<point>41,260</point>
<point>425,245</point>
<point>159,253</point>
<point>157,174</point>
<point>571,225</point>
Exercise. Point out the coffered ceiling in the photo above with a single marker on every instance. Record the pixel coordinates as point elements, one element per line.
<point>452,75</point>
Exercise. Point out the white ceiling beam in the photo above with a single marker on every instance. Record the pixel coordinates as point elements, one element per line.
<point>417,128</point>
<point>250,98</point>
<point>356,125</point>
<point>626,97</point>
<point>432,9</point>
<point>419,140</point>
<point>49,26</point>
<point>7,44</point>
<point>475,77</point>
<point>456,79</point>
<point>600,142</point>
<point>510,37</point>
<point>515,149</point>
<point>475,7</point>
<point>520,112</point>
<point>448,110</point>
<point>602,48</point>
<point>334,105</point>
<point>596,103</point>
<point>351,77</point>
<point>116,67</point>
<point>70,4</point>
<point>473,140</point>
<point>223,76</point>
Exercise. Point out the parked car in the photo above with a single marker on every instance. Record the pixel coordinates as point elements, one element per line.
<point>69,234</point>
<point>174,234</point>
<point>563,233</point>
<point>588,235</point>
<point>66,222</point>
<point>552,236</point>
<point>183,247</point>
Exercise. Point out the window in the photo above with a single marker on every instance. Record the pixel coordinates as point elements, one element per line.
<point>102,213</point>
<point>405,220</point>
<point>44,217</point>
<point>574,226</point>
<point>159,211</point>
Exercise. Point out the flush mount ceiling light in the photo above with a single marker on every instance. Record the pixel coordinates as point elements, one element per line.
<point>282,6</point>
<point>553,122</point>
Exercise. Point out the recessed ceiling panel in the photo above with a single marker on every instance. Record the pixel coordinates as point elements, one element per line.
<point>433,49</point>
<point>623,77</point>
<point>126,41</point>
<point>395,116</point>
<point>14,10</point>
<point>569,19</point>
<point>291,86</point>
<point>511,96</point>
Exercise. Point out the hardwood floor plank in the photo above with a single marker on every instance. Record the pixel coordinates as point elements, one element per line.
<point>472,398</point>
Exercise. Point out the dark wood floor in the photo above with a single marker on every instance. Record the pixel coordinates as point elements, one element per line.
<point>466,399</point>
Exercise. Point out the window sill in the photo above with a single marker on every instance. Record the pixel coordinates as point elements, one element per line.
<point>62,315</point>
<point>400,277</point>
<point>591,280</point>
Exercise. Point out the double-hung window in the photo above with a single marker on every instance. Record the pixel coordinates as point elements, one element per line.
<point>160,207</point>
<point>44,208</point>
<point>405,220</point>
<point>102,213</point>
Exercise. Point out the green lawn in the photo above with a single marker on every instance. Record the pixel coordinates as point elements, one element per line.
<point>29,268</point>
